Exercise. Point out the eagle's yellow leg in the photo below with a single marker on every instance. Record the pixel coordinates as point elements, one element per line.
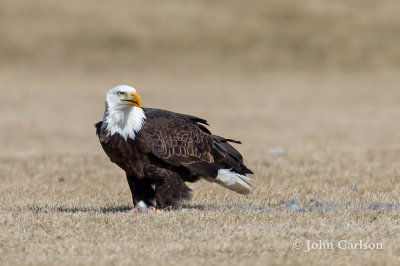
<point>138,210</point>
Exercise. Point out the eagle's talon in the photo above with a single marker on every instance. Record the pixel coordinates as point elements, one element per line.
<point>134,210</point>
<point>139,210</point>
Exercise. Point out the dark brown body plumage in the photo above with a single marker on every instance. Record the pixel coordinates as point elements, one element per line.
<point>170,149</point>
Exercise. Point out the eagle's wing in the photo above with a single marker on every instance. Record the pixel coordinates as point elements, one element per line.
<point>182,140</point>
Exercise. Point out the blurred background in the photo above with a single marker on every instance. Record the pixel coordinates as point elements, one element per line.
<point>310,87</point>
<point>202,35</point>
<point>311,70</point>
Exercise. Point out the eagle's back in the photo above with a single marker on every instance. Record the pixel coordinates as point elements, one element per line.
<point>174,141</point>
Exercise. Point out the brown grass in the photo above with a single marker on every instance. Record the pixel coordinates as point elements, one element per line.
<point>331,103</point>
<point>62,200</point>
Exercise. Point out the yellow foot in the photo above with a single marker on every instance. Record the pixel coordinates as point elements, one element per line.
<point>134,210</point>
<point>138,210</point>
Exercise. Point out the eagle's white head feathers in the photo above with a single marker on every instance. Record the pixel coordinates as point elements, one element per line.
<point>123,114</point>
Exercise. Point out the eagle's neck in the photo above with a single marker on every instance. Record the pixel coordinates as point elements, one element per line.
<point>124,120</point>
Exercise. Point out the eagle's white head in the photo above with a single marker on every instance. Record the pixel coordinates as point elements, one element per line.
<point>123,114</point>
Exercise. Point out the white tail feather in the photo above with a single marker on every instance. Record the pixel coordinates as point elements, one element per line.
<point>233,181</point>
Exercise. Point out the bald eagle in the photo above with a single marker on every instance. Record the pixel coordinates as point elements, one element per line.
<point>160,150</point>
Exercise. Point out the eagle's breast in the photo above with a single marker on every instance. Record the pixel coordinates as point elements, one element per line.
<point>129,154</point>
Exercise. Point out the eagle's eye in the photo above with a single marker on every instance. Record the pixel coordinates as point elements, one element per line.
<point>120,93</point>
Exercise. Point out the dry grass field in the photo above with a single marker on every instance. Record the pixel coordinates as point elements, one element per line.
<point>311,89</point>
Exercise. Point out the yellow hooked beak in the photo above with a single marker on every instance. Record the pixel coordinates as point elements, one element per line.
<point>133,99</point>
